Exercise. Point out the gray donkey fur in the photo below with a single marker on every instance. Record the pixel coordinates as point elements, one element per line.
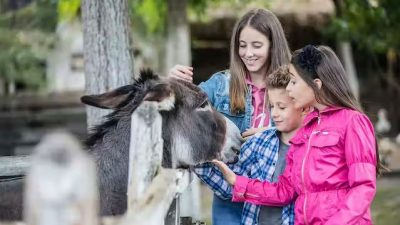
<point>192,130</point>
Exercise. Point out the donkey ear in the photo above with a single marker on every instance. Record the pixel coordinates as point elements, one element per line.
<point>163,95</point>
<point>108,100</point>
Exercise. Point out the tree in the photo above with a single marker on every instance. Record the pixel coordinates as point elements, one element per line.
<point>178,49</point>
<point>372,26</point>
<point>26,36</point>
<point>345,51</point>
<point>107,49</point>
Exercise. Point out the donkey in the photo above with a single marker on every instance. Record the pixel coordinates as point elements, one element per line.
<point>193,133</point>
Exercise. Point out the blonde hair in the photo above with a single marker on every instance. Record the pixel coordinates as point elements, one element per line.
<point>265,22</point>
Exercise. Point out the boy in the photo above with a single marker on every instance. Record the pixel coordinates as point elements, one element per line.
<point>264,155</point>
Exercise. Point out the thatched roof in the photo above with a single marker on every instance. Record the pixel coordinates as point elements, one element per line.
<point>307,15</point>
<point>304,11</point>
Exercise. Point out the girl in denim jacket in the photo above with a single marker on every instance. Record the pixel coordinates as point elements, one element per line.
<point>333,161</point>
<point>258,47</point>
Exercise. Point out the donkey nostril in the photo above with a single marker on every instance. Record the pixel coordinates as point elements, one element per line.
<point>236,151</point>
<point>236,159</point>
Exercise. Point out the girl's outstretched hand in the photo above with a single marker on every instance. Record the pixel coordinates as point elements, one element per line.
<point>181,72</point>
<point>229,175</point>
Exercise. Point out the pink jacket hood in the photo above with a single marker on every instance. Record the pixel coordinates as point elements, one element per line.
<point>330,172</point>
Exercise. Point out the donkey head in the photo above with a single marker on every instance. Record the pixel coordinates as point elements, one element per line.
<point>193,131</point>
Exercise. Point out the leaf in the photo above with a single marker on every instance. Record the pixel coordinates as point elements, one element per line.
<point>68,9</point>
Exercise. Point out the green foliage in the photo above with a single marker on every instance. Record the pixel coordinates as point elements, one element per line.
<point>149,14</point>
<point>68,9</point>
<point>373,27</point>
<point>21,59</point>
<point>40,14</point>
<point>25,37</point>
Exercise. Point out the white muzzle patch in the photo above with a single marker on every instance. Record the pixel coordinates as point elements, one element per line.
<point>233,142</point>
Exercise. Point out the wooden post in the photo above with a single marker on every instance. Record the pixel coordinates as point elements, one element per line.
<point>155,202</point>
<point>145,151</point>
<point>151,201</point>
<point>61,185</point>
<point>14,165</point>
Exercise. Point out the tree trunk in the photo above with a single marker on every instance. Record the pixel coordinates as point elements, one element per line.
<point>178,51</point>
<point>393,90</point>
<point>178,35</point>
<point>346,53</point>
<point>11,87</point>
<point>107,49</point>
<point>2,87</point>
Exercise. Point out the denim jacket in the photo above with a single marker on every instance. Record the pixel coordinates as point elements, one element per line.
<point>217,90</point>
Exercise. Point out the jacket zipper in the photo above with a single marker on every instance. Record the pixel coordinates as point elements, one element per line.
<point>302,171</point>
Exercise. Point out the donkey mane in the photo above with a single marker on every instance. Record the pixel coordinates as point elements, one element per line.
<point>137,92</point>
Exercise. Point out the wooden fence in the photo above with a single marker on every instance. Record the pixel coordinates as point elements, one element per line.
<point>24,120</point>
<point>61,180</point>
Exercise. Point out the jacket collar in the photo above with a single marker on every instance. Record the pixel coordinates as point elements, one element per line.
<point>315,113</point>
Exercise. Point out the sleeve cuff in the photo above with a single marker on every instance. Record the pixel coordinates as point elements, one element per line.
<point>239,189</point>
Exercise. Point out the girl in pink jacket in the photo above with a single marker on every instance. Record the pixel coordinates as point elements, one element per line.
<point>332,162</point>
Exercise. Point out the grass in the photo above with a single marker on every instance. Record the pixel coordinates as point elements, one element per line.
<point>386,205</point>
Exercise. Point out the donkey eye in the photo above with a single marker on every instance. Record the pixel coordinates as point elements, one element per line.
<point>204,104</point>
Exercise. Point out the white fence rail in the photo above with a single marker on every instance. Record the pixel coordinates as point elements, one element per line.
<point>61,182</point>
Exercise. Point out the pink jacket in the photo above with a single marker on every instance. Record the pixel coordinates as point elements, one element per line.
<point>330,172</point>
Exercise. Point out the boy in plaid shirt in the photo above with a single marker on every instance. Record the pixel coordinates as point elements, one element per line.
<point>263,156</point>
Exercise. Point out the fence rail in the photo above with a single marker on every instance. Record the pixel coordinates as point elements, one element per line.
<point>14,165</point>
<point>61,182</point>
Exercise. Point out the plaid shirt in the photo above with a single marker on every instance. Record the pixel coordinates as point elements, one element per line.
<point>257,159</point>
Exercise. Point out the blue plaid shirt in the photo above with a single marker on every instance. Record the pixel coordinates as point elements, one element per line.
<point>257,159</point>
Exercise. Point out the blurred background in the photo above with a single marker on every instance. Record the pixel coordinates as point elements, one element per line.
<point>42,66</point>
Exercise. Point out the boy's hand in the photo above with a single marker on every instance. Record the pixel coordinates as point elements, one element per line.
<point>229,175</point>
<point>252,131</point>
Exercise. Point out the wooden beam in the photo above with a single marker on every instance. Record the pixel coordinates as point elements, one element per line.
<point>109,220</point>
<point>38,101</point>
<point>14,165</point>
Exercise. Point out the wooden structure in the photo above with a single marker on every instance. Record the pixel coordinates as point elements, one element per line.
<point>25,119</point>
<point>61,180</point>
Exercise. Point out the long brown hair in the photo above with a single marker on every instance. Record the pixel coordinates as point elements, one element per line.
<point>265,22</point>
<point>335,88</point>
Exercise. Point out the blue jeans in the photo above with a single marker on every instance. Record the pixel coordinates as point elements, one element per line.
<point>226,212</point>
